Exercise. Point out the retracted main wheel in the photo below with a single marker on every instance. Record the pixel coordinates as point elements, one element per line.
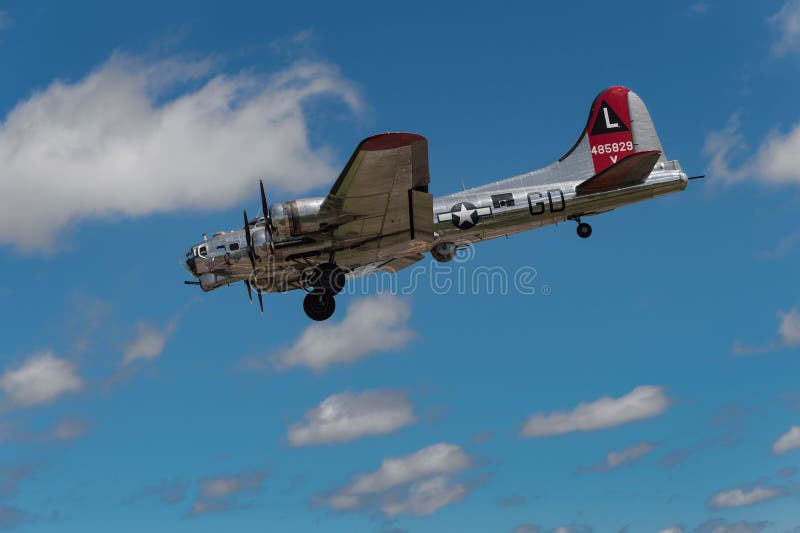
<point>584,230</point>
<point>319,307</point>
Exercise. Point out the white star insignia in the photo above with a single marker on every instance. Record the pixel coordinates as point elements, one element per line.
<point>464,215</point>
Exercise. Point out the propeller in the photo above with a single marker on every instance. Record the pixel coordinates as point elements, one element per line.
<point>267,217</point>
<point>250,252</point>
<point>249,291</point>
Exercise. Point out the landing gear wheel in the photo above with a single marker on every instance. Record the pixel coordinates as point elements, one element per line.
<point>319,307</point>
<point>326,278</point>
<point>584,230</point>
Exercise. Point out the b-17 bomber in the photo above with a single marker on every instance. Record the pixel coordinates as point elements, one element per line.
<point>380,216</point>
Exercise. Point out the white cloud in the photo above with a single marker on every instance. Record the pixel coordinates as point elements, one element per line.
<point>219,494</point>
<point>346,416</point>
<point>68,429</point>
<point>719,525</point>
<point>439,458</point>
<point>786,23</point>
<point>132,138</point>
<point>739,496</point>
<point>527,528</point>
<point>645,401</point>
<point>371,325</point>
<point>789,329</point>
<point>149,342</point>
<point>786,245</point>
<point>788,441</point>
<point>700,8</point>
<point>573,528</point>
<point>788,336</point>
<point>775,163</point>
<point>426,497</point>
<point>615,460</point>
<point>415,484</point>
<point>674,529</point>
<point>40,379</point>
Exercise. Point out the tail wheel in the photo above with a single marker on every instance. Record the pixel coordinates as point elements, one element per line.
<point>584,230</point>
<point>319,307</point>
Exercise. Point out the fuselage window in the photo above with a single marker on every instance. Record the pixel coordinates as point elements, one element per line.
<point>234,246</point>
<point>221,248</point>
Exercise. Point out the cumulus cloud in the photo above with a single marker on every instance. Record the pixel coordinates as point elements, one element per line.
<point>572,528</point>
<point>67,429</point>
<point>774,163</point>
<point>786,24</point>
<point>788,336</point>
<point>719,525</point>
<point>643,402</point>
<point>425,497</point>
<point>620,458</point>
<point>346,416</point>
<point>371,325</point>
<point>40,379</point>
<point>149,342</point>
<point>416,484</point>
<point>741,496</point>
<point>788,441</point>
<point>221,493</point>
<point>133,138</point>
<point>527,528</point>
<point>166,492</point>
<point>785,246</point>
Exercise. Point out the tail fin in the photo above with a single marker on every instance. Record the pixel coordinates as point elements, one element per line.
<point>619,125</point>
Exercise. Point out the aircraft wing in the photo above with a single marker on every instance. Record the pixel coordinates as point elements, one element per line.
<point>380,200</point>
<point>629,171</point>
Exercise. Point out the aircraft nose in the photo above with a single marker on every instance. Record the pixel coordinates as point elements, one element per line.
<point>190,265</point>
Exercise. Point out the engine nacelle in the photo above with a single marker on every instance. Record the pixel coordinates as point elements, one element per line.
<point>298,217</point>
<point>444,252</point>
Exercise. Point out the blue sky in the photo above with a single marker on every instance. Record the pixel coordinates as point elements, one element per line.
<point>665,347</point>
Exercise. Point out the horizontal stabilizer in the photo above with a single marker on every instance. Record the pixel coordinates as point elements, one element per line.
<point>632,170</point>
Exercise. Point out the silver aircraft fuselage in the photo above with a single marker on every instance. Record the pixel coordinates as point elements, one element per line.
<point>379,214</point>
<point>503,208</point>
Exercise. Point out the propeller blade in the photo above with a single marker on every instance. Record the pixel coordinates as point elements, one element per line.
<point>249,291</point>
<point>267,216</point>
<point>191,283</point>
<point>249,239</point>
<point>260,301</point>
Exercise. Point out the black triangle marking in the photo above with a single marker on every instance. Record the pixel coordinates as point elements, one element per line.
<point>607,121</point>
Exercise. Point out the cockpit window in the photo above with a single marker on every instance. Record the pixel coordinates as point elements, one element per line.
<point>202,251</point>
<point>234,246</point>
